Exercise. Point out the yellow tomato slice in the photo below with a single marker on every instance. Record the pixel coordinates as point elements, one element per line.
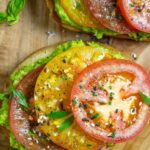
<point>52,94</point>
<point>78,12</point>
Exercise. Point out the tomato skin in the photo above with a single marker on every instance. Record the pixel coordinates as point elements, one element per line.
<point>133,21</point>
<point>144,114</point>
<point>107,13</point>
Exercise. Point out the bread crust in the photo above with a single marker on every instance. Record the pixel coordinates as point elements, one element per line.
<point>50,4</point>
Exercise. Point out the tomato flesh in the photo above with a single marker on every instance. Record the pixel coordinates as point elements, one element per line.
<point>107,13</point>
<point>136,13</point>
<point>114,110</point>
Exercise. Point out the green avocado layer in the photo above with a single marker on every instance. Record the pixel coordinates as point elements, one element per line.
<point>99,33</point>
<point>24,70</point>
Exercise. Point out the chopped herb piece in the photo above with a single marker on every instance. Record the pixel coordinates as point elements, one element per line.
<point>113,135</point>
<point>58,114</point>
<point>111,95</point>
<point>63,77</point>
<point>110,125</point>
<point>81,87</point>
<point>89,145</point>
<point>85,119</point>
<point>110,103</point>
<point>74,101</point>
<point>30,133</point>
<point>66,123</point>
<point>22,100</point>
<point>110,87</point>
<point>94,93</point>
<point>84,106</point>
<point>97,125</point>
<point>145,98</point>
<point>94,88</point>
<point>94,116</point>
<point>78,5</point>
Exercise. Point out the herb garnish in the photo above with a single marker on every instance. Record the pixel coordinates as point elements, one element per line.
<point>22,100</point>
<point>74,101</point>
<point>145,98</point>
<point>113,135</point>
<point>66,123</point>
<point>13,10</point>
<point>58,114</point>
<point>94,116</point>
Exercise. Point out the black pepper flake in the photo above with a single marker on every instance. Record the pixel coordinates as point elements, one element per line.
<point>94,88</point>
<point>84,106</point>
<point>85,119</point>
<point>64,60</point>
<point>97,124</point>
<point>116,111</point>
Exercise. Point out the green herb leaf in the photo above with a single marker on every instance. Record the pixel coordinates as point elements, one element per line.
<point>13,10</point>
<point>3,17</point>
<point>145,98</point>
<point>58,114</point>
<point>113,135</point>
<point>94,116</point>
<point>21,98</point>
<point>74,101</point>
<point>66,123</point>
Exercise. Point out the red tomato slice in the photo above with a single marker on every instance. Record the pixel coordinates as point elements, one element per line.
<point>107,13</point>
<point>109,115</point>
<point>21,122</point>
<point>136,13</point>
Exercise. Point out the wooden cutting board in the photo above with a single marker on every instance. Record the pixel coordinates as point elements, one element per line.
<point>37,29</point>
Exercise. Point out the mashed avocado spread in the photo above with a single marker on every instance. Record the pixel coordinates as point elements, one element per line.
<point>99,33</point>
<point>19,74</point>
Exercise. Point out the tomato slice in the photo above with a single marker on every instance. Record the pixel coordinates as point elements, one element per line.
<point>78,12</point>
<point>21,122</point>
<point>110,90</point>
<point>136,13</point>
<point>106,12</point>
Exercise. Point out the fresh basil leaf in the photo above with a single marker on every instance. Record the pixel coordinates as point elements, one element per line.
<point>66,123</point>
<point>3,17</point>
<point>15,7</point>
<point>58,114</point>
<point>21,98</point>
<point>145,98</point>
<point>13,10</point>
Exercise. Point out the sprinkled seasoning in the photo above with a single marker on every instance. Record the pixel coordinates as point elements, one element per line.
<point>84,106</point>
<point>80,86</point>
<point>111,95</point>
<point>116,111</point>
<point>97,125</point>
<point>134,56</point>
<point>74,101</point>
<point>94,93</point>
<point>85,119</point>
<point>133,111</point>
<point>113,134</point>
<point>94,116</point>
<point>64,61</point>
<point>110,103</point>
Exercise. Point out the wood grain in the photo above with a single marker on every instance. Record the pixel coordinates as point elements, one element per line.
<point>31,33</point>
